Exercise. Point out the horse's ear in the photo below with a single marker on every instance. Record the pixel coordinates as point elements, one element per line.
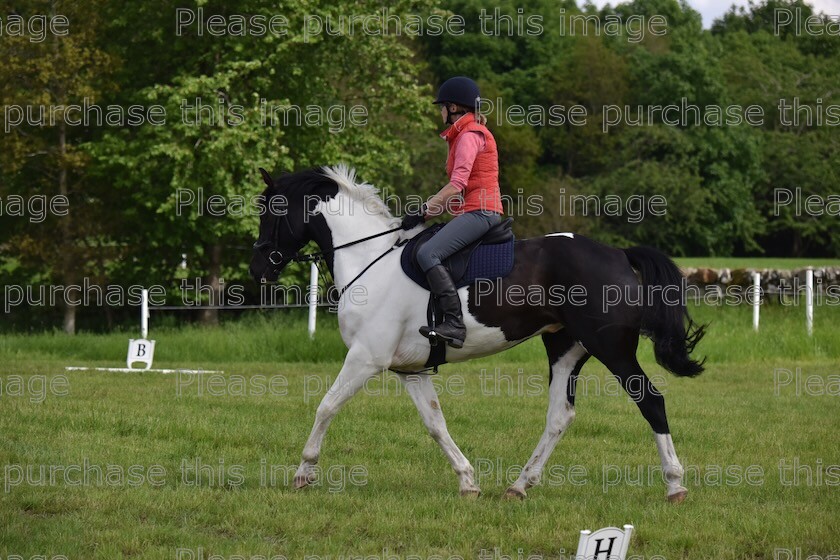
<point>266,177</point>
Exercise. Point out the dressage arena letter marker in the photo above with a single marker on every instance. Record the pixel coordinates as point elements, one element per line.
<point>609,543</point>
<point>140,350</point>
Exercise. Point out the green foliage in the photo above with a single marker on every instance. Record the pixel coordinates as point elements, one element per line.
<point>718,178</point>
<point>40,152</point>
<point>135,191</point>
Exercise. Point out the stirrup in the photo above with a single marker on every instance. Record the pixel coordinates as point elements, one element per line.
<point>435,336</point>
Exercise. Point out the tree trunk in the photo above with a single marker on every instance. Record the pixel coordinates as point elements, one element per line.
<point>796,247</point>
<point>211,316</point>
<point>66,258</point>
<point>69,319</point>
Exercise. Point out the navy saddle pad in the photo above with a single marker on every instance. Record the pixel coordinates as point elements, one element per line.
<point>488,258</point>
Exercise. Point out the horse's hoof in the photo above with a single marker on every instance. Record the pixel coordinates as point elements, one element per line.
<point>471,493</point>
<point>677,497</point>
<point>302,482</point>
<point>514,494</point>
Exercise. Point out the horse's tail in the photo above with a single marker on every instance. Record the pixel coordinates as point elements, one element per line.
<point>665,318</point>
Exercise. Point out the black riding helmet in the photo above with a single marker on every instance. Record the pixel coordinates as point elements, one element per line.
<point>460,90</point>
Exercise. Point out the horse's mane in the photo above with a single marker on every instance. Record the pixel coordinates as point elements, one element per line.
<point>365,193</point>
<point>329,177</point>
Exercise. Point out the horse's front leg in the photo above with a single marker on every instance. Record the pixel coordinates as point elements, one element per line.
<point>422,392</point>
<point>357,369</point>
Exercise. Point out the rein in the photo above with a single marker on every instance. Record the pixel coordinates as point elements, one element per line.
<point>318,256</point>
<point>373,262</point>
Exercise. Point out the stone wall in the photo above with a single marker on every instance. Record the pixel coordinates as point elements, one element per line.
<point>772,280</point>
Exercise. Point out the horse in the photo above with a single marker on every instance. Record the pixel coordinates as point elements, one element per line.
<point>380,329</point>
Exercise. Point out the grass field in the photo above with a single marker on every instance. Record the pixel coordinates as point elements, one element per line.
<point>187,457</point>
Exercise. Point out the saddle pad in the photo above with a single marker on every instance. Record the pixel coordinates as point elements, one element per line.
<point>486,262</point>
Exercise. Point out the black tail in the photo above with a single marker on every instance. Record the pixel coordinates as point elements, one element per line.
<point>665,319</point>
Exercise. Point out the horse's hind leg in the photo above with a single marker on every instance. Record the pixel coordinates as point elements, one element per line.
<point>422,392</point>
<point>357,369</point>
<point>565,358</point>
<point>651,403</point>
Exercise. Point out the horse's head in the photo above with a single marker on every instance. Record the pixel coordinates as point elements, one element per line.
<point>289,219</point>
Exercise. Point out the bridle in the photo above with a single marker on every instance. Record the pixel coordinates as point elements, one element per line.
<point>276,258</point>
<point>277,262</point>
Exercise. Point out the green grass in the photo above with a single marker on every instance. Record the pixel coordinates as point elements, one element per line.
<point>754,262</point>
<point>281,337</point>
<point>731,417</point>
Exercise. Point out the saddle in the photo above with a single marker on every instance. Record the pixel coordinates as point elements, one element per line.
<point>489,257</point>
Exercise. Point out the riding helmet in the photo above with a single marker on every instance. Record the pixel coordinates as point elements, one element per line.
<point>460,90</point>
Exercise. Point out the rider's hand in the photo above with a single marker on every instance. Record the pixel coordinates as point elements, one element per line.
<point>411,221</point>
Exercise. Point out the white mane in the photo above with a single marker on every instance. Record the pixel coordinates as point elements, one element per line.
<point>365,193</point>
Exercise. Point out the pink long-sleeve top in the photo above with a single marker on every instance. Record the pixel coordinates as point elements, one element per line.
<point>468,146</point>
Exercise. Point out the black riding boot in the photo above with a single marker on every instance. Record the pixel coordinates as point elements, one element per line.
<point>452,328</point>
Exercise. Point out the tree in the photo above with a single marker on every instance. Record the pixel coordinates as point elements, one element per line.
<point>217,152</point>
<point>44,157</point>
<point>791,84</point>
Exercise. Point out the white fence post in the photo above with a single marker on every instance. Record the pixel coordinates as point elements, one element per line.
<point>313,297</point>
<point>144,314</point>
<point>756,298</point>
<point>809,300</point>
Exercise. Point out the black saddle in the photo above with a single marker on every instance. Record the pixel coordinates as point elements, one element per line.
<point>458,263</point>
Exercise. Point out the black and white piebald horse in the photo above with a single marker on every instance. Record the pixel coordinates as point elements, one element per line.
<point>330,207</point>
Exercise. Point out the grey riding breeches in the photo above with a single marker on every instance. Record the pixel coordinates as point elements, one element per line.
<point>457,234</point>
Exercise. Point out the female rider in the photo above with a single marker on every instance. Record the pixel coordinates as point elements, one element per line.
<point>472,196</point>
